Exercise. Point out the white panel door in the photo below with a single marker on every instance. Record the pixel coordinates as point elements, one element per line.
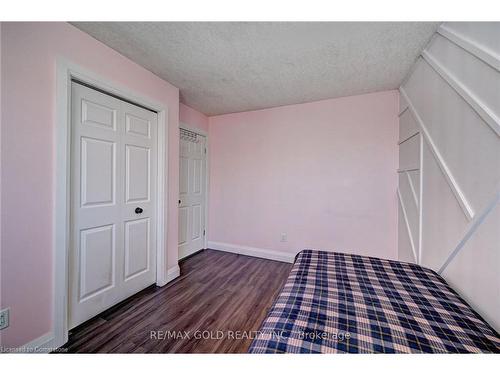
<point>192,195</point>
<point>113,185</point>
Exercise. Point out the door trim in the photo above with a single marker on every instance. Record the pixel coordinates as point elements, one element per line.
<point>65,72</point>
<point>183,125</point>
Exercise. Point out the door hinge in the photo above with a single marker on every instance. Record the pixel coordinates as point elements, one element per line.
<point>203,231</point>
<point>205,150</point>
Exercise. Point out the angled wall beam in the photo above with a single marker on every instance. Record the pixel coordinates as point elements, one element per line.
<point>471,229</point>
<point>486,114</point>
<point>482,53</point>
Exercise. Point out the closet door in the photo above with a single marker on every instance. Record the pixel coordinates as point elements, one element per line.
<point>192,193</point>
<point>113,185</point>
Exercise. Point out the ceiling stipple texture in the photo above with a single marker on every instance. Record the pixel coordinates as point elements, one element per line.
<point>240,66</point>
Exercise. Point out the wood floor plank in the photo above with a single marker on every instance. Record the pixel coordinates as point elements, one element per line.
<point>221,295</point>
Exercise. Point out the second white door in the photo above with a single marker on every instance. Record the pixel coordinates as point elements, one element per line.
<point>192,193</point>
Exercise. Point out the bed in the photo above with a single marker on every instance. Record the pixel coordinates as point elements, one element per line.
<point>344,303</point>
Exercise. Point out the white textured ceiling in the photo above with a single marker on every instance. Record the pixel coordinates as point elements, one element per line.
<point>240,66</point>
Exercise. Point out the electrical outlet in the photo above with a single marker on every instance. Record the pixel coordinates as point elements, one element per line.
<point>283,237</point>
<point>4,318</point>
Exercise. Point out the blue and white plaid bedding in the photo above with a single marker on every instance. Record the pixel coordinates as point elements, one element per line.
<point>343,303</point>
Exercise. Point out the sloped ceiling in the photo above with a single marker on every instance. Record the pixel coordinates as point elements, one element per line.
<point>239,66</point>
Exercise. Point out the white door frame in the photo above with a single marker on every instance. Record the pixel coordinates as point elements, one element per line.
<point>66,71</point>
<point>183,125</point>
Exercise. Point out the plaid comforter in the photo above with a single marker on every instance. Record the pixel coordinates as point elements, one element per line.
<point>343,303</point>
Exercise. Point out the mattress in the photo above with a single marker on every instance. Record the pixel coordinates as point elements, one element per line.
<point>344,303</point>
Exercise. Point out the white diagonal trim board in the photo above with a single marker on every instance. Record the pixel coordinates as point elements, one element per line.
<point>472,228</point>
<point>405,216</point>
<point>481,52</point>
<point>455,188</point>
<point>481,109</point>
<point>402,170</point>
<point>408,138</point>
<point>420,200</point>
<point>414,193</point>
<point>403,111</point>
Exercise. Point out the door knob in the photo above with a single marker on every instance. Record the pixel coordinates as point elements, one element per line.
<point>138,210</point>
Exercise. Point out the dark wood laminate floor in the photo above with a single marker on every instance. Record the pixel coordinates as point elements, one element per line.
<point>216,292</point>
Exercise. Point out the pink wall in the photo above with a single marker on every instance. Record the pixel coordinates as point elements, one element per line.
<point>322,172</point>
<point>193,118</point>
<point>29,52</point>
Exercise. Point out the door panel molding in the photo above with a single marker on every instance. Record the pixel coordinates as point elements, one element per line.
<point>83,261</point>
<point>85,143</point>
<point>129,272</point>
<point>130,197</point>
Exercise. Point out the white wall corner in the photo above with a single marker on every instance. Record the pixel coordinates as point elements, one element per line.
<point>172,273</point>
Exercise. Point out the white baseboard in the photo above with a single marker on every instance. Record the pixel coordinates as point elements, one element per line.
<point>173,273</point>
<point>280,256</point>
<point>42,344</point>
<point>47,342</point>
